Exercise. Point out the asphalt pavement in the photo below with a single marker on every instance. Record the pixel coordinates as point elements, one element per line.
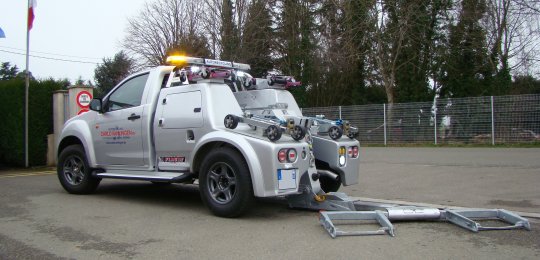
<point>139,220</point>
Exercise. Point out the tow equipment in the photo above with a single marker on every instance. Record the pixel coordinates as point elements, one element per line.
<point>333,207</point>
<point>384,214</point>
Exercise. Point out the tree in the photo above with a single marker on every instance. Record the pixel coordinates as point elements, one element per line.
<point>468,70</point>
<point>295,43</point>
<point>229,32</point>
<point>394,21</point>
<point>418,65</point>
<point>525,85</point>
<point>112,71</point>
<point>357,43</point>
<point>7,71</point>
<point>223,24</point>
<point>166,27</point>
<point>335,83</point>
<point>257,39</point>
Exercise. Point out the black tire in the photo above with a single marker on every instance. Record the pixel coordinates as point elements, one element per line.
<point>352,135</point>
<point>298,133</point>
<point>225,183</point>
<point>335,132</point>
<point>230,121</point>
<point>329,184</point>
<point>273,133</point>
<point>74,172</point>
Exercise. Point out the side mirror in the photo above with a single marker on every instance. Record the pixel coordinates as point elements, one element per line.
<point>96,105</point>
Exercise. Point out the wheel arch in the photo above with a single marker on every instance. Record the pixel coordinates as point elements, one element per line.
<point>77,132</point>
<point>242,147</point>
<point>67,141</point>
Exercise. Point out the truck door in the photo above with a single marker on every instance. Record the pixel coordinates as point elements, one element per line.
<point>179,120</point>
<point>118,134</point>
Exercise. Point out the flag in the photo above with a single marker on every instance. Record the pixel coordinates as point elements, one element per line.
<point>31,6</point>
<point>2,35</point>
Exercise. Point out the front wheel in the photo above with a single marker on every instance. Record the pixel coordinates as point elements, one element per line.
<point>74,172</point>
<point>225,183</point>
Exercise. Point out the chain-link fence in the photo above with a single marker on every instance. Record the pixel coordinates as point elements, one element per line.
<point>480,120</point>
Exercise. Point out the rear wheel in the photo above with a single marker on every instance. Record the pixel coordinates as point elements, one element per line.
<point>225,183</point>
<point>74,172</point>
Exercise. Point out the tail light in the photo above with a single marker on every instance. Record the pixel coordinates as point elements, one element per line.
<point>282,155</point>
<point>353,151</point>
<point>287,155</point>
<point>291,155</point>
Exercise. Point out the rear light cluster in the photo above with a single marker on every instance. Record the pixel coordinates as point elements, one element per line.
<point>353,151</point>
<point>287,155</point>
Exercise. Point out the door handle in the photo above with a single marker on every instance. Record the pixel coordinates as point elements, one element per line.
<point>197,110</point>
<point>134,117</point>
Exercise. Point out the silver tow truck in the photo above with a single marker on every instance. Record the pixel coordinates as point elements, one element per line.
<point>174,124</point>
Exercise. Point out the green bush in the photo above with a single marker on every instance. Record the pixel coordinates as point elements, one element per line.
<point>40,120</point>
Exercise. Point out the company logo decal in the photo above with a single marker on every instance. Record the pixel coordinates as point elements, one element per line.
<point>117,135</point>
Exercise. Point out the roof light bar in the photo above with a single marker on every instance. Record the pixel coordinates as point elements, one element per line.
<point>184,60</point>
<point>180,60</point>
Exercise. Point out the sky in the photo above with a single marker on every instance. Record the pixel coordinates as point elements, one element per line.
<point>77,30</point>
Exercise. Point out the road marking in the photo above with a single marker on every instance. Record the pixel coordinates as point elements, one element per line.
<point>27,174</point>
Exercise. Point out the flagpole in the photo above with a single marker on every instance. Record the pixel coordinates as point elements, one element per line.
<point>27,86</point>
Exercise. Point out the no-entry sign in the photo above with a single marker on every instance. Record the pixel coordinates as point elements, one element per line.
<point>83,99</point>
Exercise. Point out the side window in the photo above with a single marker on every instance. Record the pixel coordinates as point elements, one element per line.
<point>128,94</point>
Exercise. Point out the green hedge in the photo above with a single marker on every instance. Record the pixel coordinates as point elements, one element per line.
<point>12,123</point>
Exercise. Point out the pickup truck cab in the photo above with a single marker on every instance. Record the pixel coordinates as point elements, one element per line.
<point>169,125</point>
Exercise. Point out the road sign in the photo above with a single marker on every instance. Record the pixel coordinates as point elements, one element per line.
<point>83,99</point>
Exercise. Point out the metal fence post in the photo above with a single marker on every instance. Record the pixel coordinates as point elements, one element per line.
<point>492,123</point>
<point>340,112</point>
<point>435,124</point>
<point>384,123</point>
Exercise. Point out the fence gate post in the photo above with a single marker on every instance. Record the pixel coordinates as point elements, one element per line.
<point>384,123</point>
<point>492,123</point>
<point>339,112</point>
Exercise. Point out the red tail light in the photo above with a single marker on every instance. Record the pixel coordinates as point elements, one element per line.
<point>287,155</point>
<point>353,151</point>
<point>291,155</point>
<point>282,155</point>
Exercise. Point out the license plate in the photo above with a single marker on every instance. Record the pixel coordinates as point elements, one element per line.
<point>286,179</point>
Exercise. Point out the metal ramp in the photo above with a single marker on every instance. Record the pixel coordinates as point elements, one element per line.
<point>464,218</point>
<point>326,218</point>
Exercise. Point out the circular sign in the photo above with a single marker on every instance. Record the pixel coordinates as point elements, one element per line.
<point>84,110</point>
<point>83,99</point>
